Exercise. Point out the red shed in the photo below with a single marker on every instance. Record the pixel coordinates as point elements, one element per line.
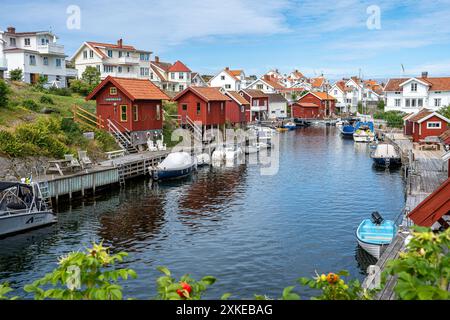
<point>259,104</point>
<point>427,123</point>
<point>202,104</point>
<point>131,105</point>
<point>236,108</point>
<point>315,105</point>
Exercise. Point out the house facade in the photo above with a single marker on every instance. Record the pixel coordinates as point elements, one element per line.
<point>314,105</point>
<point>236,109</point>
<point>197,80</point>
<point>35,53</point>
<point>277,106</point>
<point>346,96</point>
<point>259,104</point>
<point>130,105</point>
<point>425,123</point>
<point>412,94</point>
<point>230,80</point>
<point>170,77</point>
<point>266,84</point>
<point>114,60</point>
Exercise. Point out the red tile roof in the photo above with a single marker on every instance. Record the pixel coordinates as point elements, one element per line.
<point>436,83</point>
<point>445,137</point>
<point>323,96</point>
<point>420,115</point>
<point>255,93</point>
<point>307,104</point>
<point>135,89</point>
<point>271,81</point>
<point>317,82</point>
<point>206,93</point>
<point>111,46</point>
<point>179,67</point>
<point>236,96</point>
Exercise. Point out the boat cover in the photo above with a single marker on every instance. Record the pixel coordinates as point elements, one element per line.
<point>7,185</point>
<point>365,124</point>
<point>385,150</point>
<point>175,161</point>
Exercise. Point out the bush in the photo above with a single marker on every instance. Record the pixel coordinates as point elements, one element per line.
<point>65,92</point>
<point>91,76</point>
<point>31,105</point>
<point>16,75</point>
<point>46,100</point>
<point>4,92</point>
<point>81,87</point>
<point>394,119</point>
<point>445,111</point>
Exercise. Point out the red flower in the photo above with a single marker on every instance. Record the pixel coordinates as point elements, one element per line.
<point>186,289</point>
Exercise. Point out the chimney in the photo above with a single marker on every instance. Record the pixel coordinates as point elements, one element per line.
<point>156,59</point>
<point>425,74</point>
<point>11,30</point>
<point>266,77</point>
<point>227,69</point>
<point>120,43</point>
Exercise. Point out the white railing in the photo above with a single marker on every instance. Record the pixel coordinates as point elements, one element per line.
<point>71,72</point>
<point>122,138</point>
<point>186,120</point>
<point>51,48</point>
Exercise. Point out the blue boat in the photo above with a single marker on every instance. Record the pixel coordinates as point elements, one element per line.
<point>347,131</point>
<point>290,126</point>
<point>176,165</point>
<point>375,234</point>
<point>364,131</point>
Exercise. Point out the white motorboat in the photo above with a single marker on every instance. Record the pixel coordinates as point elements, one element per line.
<point>175,165</point>
<point>22,207</point>
<point>364,132</point>
<point>218,155</point>
<point>232,153</point>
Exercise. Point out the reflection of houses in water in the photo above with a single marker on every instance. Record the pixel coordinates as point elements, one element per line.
<point>211,193</point>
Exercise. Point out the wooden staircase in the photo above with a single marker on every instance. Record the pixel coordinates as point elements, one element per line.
<point>186,122</point>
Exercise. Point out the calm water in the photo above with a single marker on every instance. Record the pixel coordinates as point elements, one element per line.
<point>256,234</point>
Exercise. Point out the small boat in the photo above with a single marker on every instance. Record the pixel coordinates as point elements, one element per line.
<point>175,165</point>
<point>347,131</point>
<point>203,160</point>
<point>23,207</point>
<point>290,126</point>
<point>385,155</point>
<point>232,153</point>
<point>375,234</point>
<point>301,122</point>
<point>364,132</point>
<point>218,155</point>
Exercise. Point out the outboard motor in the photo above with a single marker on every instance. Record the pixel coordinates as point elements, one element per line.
<point>377,218</point>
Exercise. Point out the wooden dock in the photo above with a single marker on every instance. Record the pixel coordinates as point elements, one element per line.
<point>425,172</point>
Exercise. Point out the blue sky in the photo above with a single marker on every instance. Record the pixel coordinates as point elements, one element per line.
<point>329,37</point>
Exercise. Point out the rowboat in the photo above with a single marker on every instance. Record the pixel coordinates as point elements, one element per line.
<point>385,155</point>
<point>375,234</point>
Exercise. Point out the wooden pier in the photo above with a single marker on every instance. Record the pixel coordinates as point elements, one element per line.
<point>425,172</point>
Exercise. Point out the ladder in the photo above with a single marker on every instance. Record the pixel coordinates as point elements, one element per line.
<point>45,195</point>
<point>121,171</point>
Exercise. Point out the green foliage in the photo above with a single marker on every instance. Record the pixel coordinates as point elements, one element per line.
<point>16,74</point>
<point>4,290</point>
<point>360,107</point>
<point>31,105</point>
<point>41,82</point>
<point>13,147</point>
<point>445,111</point>
<point>186,288</point>
<point>84,276</point>
<point>4,92</point>
<point>91,76</point>
<point>81,87</point>
<point>381,105</point>
<point>394,119</point>
<point>64,92</point>
<point>335,288</point>
<point>424,269</point>
<point>46,100</point>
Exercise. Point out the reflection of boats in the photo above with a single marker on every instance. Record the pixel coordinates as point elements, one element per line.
<point>203,159</point>
<point>282,129</point>
<point>232,153</point>
<point>176,165</point>
<point>301,122</point>
<point>385,155</point>
<point>364,132</point>
<point>22,207</point>
<point>375,234</point>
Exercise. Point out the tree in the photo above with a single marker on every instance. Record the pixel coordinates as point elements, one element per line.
<point>4,92</point>
<point>445,111</point>
<point>91,76</point>
<point>16,74</point>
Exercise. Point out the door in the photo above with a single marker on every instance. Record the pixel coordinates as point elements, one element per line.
<point>34,77</point>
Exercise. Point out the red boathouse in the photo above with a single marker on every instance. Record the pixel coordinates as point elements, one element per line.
<point>130,105</point>
<point>314,105</point>
<point>426,123</point>
<point>236,108</point>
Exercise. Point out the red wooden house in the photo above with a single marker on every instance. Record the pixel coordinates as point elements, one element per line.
<point>236,108</point>
<point>205,105</point>
<point>427,123</point>
<point>130,105</point>
<point>314,105</point>
<point>259,104</point>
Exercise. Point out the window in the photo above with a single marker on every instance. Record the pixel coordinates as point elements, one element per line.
<point>45,61</point>
<point>180,87</point>
<point>398,102</point>
<point>181,75</point>
<point>58,63</point>
<point>398,92</point>
<point>335,92</point>
<point>135,113</point>
<point>119,69</point>
<point>98,68</point>
<point>199,109</point>
<point>120,54</point>
<point>228,86</point>
<point>221,106</point>
<point>184,107</point>
<point>12,42</point>
<point>222,77</point>
<point>158,112</point>
<point>151,75</point>
<point>437,102</point>
<point>113,91</point>
<point>128,69</point>
<point>433,125</point>
<point>413,103</point>
<point>123,113</point>
<point>414,87</point>
<point>91,54</point>
<point>420,103</point>
<point>145,72</point>
<point>108,69</point>
<point>32,60</point>
<point>260,87</point>
<point>145,56</point>
<point>84,54</point>
<point>172,75</point>
<point>407,103</point>
<point>110,53</point>
<point>27,42</point>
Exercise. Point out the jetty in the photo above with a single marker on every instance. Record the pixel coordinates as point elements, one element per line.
<point>425,171</point>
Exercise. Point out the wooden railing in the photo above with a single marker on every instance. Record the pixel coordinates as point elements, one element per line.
<point>87,118</point>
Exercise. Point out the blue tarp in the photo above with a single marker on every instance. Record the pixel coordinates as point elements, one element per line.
<point>365,124</point>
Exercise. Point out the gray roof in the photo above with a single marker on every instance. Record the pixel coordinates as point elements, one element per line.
<point>276,97</point>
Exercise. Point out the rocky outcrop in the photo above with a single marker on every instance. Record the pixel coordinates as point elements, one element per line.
<point>12,169</point>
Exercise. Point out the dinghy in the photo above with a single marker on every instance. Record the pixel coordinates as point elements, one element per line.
<point>176,165</point>
<point>22,207</point>
<point>375,234</point>
<point>385,155</point>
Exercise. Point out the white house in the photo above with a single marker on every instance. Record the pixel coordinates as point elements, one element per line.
<point>277,106</point>
<point>230,80</point>
<point>197,80</point>
<point>170,77</point>
<point>411,94</point>
<point>35,53</point>
<point>266,84</point>
<point>346,96</point>
<point>116,60</point>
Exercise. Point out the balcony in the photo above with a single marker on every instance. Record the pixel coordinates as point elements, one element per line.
<point>51,48</point>
<point>71,73</point>
<point>258,108</point>
<point>3,64</point>
<point>127,60</point>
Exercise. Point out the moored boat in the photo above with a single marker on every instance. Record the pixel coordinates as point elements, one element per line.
<point>22,207</point>
<point>385,155</point>
<point>203,159</point>
<point>290,126</point>
<point>175,165</point>
<point>375,234</point>
<point>364,132</point>
<point>347,131</point>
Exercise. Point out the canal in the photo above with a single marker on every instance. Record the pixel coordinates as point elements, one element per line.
<point>256,234</point>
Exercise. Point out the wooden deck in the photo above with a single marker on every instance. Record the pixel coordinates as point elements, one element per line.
<point>426,171</point>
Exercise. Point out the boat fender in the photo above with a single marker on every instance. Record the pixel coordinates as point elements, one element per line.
<point>155,175</point>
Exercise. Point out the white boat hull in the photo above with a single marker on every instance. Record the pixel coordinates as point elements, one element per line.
<point>375,250</point>
<point>363,138</point>
<point>16,223</point>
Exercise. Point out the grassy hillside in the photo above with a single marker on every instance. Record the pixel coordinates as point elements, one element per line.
<point>38,123</point>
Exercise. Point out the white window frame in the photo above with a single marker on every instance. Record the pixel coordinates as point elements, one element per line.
<point>437,102</point>
<point>398,102</point>
<point>413,87</point>
<point>434,122</point>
